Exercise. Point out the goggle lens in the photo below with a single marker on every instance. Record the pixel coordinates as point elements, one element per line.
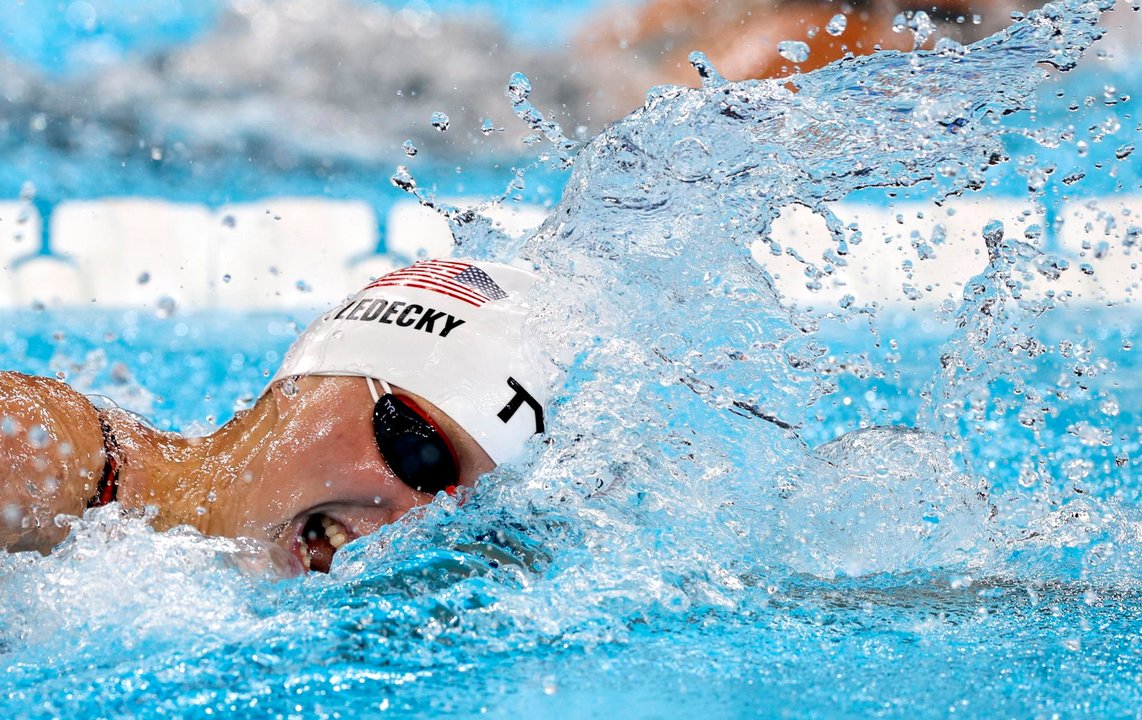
<point>413,448</point>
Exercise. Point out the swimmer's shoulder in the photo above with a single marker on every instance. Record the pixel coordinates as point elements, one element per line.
<point>25,399</point>
<point>51,458</point>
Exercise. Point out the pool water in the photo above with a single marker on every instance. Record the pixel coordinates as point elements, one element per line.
<point>745,505</point>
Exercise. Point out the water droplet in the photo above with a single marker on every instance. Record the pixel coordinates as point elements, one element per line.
<point>439,121</point>
<point>166,307</point>
<point>488,127</point>
<point>837,25</point>
<point>519,87</point>
<point>229,221</point>
<point>409,148</point>
<point>226,278</point>
<point>706,70</point>
<point>156,153</point>
<point>690,161</point>
<point>403,179</point>
<point>993,232</point>
<point>27,198</point>
<point>13,515</point>
<point>200,510</point>
<point>1028,477</point>
<point>38,435</point>
<point>918,23</point>
<point>1109,407</point>
<point>303,286</point>
<point>144,278</point>
<point>211,496</point>
<point>1052,267</point>
<point>793,50</point>
<point>81,15</point>
<point>289,387</point>
<point>950,48</point>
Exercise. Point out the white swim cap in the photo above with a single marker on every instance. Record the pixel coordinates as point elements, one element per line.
<point>451,331</point>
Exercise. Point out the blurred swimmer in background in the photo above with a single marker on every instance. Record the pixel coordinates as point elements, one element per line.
<point>417,385</point>
<point>743,39</point>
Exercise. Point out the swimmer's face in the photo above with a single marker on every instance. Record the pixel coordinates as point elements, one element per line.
<point>325,481</point>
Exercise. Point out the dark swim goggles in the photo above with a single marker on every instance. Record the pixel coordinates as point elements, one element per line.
<point>414,448</point>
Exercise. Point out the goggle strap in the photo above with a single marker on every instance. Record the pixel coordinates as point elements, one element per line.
<point>373,388</point>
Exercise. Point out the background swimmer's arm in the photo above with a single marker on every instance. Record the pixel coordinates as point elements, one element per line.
<point>51,458</point>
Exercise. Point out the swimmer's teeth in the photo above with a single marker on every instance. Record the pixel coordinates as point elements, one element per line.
<point>306,560</point>
<point>337,535</point>
<point>331,531</point>
<point>334,532</point>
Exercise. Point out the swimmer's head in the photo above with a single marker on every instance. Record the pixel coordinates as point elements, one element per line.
<point>450,331</point>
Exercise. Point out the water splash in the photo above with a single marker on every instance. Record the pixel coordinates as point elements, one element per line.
<point>677,494</point>
<point>677,326</point>
<point>672,321</point>
<point>916,22</point>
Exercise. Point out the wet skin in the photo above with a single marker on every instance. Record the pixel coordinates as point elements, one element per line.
<point>322,462</point>
<point>300,469</point>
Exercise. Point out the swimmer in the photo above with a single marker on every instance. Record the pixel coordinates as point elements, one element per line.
<point>417,385</point>
<point>652,39</point>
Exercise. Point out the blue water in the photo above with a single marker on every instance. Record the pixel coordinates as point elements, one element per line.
<point>716,527</point>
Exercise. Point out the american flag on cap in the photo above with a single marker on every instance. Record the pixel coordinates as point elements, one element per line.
<point>459,280</point>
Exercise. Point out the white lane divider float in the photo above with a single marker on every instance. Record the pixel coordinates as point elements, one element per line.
<point>307,253</point>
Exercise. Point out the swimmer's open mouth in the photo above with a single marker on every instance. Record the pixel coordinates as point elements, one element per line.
<point>319,539</point>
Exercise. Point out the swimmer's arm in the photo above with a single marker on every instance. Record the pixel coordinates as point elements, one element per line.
<point>51,458</point>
